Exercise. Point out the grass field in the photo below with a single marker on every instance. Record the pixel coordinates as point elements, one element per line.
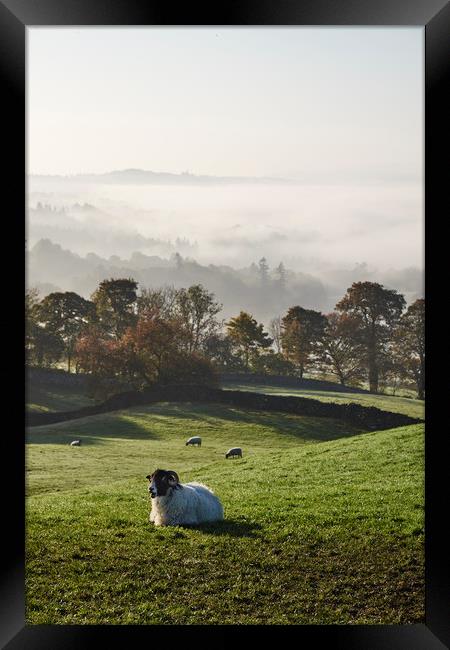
<point>323,522</point>
<point>413,407</point>
<point>43,398</point>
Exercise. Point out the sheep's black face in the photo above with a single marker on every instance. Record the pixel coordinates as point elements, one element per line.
<point>161,483</point>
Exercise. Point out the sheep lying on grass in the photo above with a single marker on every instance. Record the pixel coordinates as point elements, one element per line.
<point>176,504</point>
<point>234,452</point>
<point>195,440</point>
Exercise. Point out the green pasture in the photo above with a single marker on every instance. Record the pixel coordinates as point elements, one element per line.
<point>45,397</point>
<point>408,406</point>
<point>323,521</point>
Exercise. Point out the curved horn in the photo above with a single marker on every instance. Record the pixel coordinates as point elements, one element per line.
<point>173,476</point>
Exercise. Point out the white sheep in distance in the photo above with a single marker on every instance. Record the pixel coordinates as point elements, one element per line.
<point>234,452</point>
<point>75,443</point>
<point>195,440</point>
<point>177,504</point>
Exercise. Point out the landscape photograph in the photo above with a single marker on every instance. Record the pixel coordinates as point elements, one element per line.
<point>225,326</point>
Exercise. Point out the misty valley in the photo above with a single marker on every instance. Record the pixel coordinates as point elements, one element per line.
<point>258,256</point>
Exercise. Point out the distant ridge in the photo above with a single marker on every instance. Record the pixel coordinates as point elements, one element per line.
<point>143,177</point>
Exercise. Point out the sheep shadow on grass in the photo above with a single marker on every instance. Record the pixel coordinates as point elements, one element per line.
<point>228,527</point>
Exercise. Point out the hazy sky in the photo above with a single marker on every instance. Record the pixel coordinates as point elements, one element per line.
<point>340,110</point>
<point>322,104</point>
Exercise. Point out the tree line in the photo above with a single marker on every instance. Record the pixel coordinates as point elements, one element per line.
<point>171,335</point>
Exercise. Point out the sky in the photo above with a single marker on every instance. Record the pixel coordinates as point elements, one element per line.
<point>318,104</point>
<point>337,110</point>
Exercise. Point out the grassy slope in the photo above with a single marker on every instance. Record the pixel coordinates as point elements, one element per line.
<point>412,407</point>
<point>61,398</point>
<point>314,533</point>
<point>42,398</point>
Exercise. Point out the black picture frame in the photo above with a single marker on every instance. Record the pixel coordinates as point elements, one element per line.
<point>434,16</point>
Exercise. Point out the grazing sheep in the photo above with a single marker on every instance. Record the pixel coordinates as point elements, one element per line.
<point>195,440</point>
<point>234,452</point>
<point>176,504</point>
<point>75,443</point>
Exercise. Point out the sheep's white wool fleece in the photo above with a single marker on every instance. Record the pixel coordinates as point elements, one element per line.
<point>193,503</point>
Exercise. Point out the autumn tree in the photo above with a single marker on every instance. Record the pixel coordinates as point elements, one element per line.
<point>409,346</point>
<point>272,363</point>
<point>160,301</point>
<point>115,302</point>
<point>378,311</point>
<point>220,349</point>
<point>189,368</point>
<point>65,315</point>
<point>197,309</point>
<point>156,343</point>
<point>42,347</point>
<point>98,354</point>
<point>302,333</point>
<point>106,361</point>
<point>248,336</point>
<point>158,353</point>
<point>341,351</point>
<point>391,372</point>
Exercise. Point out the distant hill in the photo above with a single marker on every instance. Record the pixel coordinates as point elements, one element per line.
<point>49,264</point>
<point>145,177</point>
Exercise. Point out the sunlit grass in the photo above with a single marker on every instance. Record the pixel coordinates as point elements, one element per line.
<point>323,522</point>
<point>413,407</point>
